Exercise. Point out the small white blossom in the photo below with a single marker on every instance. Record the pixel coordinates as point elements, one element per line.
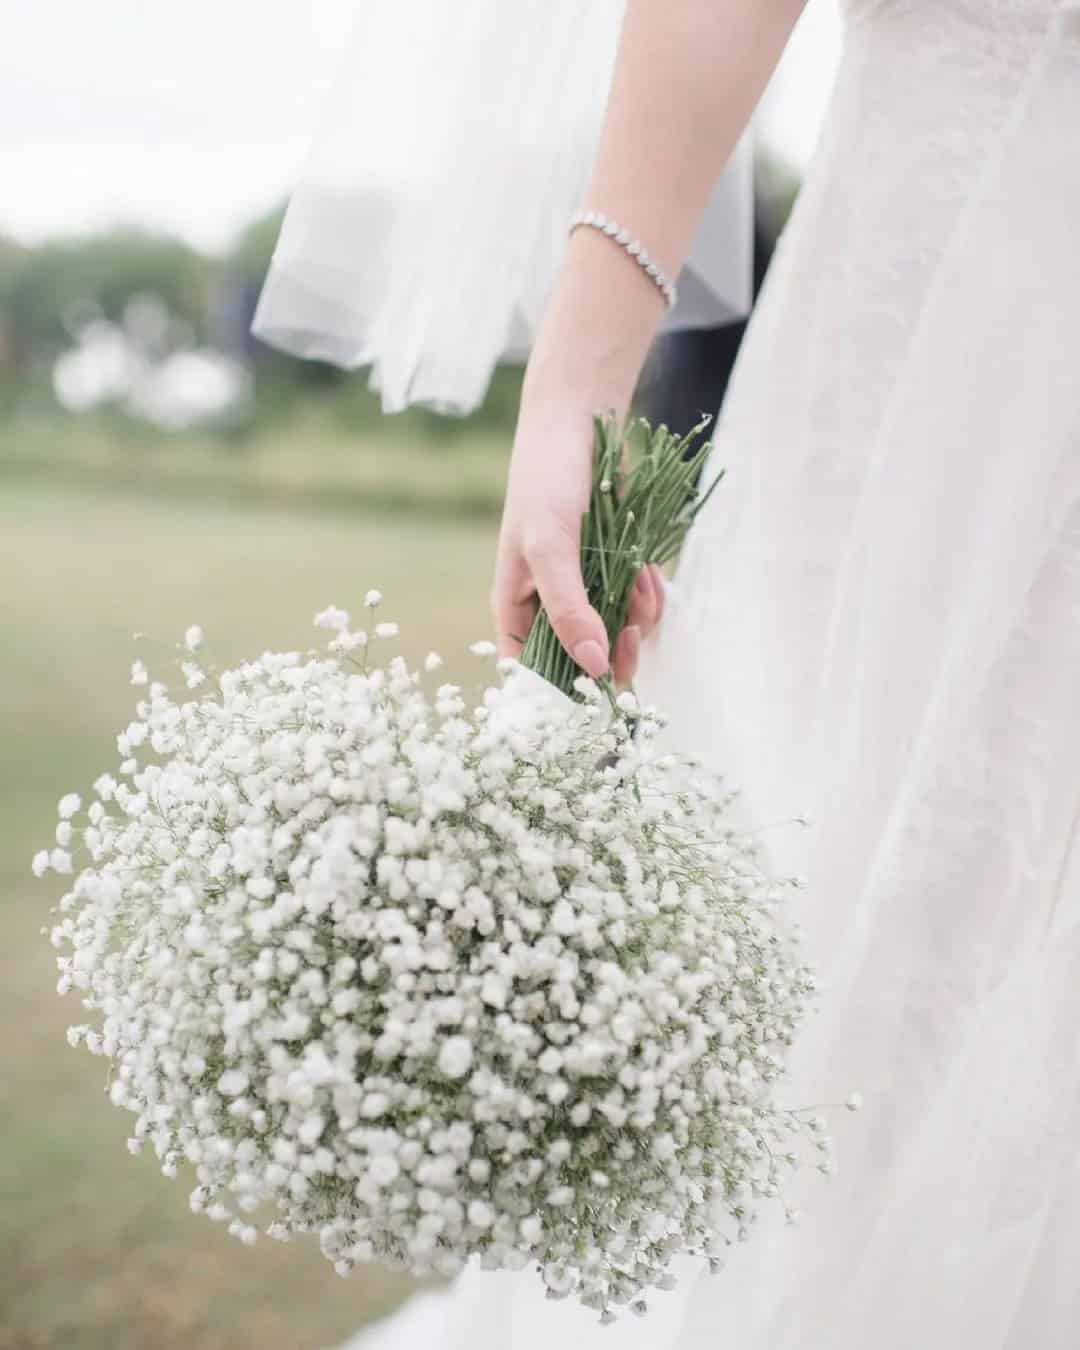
<point>384,1169</point>
<point>455,1057</point>
<point>193,638</point>
<point>69,805</point>
<point>482,648</point>
<point>386,630</point>
<point>139,673</point>
<point>373,599</point>
<point>333,618</point>
<point>349,640</point>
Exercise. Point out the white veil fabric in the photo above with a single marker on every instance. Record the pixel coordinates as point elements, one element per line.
<point>426,229</point>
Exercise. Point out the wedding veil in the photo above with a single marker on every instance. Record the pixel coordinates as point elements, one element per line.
<point>428,223</point>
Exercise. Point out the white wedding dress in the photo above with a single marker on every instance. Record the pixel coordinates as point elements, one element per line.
<point>877,622</point>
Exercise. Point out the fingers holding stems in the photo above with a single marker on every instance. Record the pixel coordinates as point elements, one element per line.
<point>549,572</point>
<point>545,569</point>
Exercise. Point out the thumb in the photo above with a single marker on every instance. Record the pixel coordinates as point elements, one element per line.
<point>555,562</point>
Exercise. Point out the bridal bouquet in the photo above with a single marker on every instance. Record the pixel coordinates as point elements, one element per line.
<point>432,980</point>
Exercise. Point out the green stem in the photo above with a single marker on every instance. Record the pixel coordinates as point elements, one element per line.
<point>635,517</point>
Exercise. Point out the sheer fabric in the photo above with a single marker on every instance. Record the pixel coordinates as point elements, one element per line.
<point>877,621</point>
<point>426,230</point>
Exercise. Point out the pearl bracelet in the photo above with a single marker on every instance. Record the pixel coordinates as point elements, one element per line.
<point>598,221</point>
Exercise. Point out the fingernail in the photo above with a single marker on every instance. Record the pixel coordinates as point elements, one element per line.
<point>590,657</point>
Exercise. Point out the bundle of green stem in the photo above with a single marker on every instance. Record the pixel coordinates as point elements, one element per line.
<point>645,496</point>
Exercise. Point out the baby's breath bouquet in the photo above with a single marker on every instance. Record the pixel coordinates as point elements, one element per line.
<point>435,981</point>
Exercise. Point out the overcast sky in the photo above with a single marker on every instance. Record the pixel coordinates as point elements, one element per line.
<point>195,116</point>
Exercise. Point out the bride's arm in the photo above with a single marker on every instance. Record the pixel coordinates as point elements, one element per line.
<point>686,80</point>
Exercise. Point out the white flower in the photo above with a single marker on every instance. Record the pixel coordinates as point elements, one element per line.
<point>373,599</point>
<point>69,805</point>
<point>333,618</point>
<point>386,630</point>
<point>138,673</point>
<point>482,648</point>
<point>481,1214</point>
<point>663,1146</point>
<point>564,920</point>
<point>232,1082</point>
<point>432,662</point>
<point>384,1169</point>
<point>494,990</point>
<point>349,641</point>
<point>455,1056</point>
<point>193,638</point>
<point>41,862</point>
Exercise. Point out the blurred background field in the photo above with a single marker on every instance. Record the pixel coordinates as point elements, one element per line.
<point>126,361</point>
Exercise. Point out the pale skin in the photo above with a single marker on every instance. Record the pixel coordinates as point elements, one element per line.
<point>687,77</point>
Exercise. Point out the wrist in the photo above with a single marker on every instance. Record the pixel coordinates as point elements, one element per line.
<point>597,328</point>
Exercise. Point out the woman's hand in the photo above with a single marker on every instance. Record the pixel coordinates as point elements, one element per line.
<point>538,559</point>
<point>589,350</point>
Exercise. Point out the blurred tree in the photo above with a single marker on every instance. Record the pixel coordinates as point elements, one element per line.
<point>11,259</point>
<point>46,292</point>
<point>250,256</point>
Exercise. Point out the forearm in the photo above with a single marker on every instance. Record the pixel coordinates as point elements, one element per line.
<point>687,78</point>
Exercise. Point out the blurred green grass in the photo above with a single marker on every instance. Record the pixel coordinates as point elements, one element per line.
<point>97,1250</point>
<point>307,460</point>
